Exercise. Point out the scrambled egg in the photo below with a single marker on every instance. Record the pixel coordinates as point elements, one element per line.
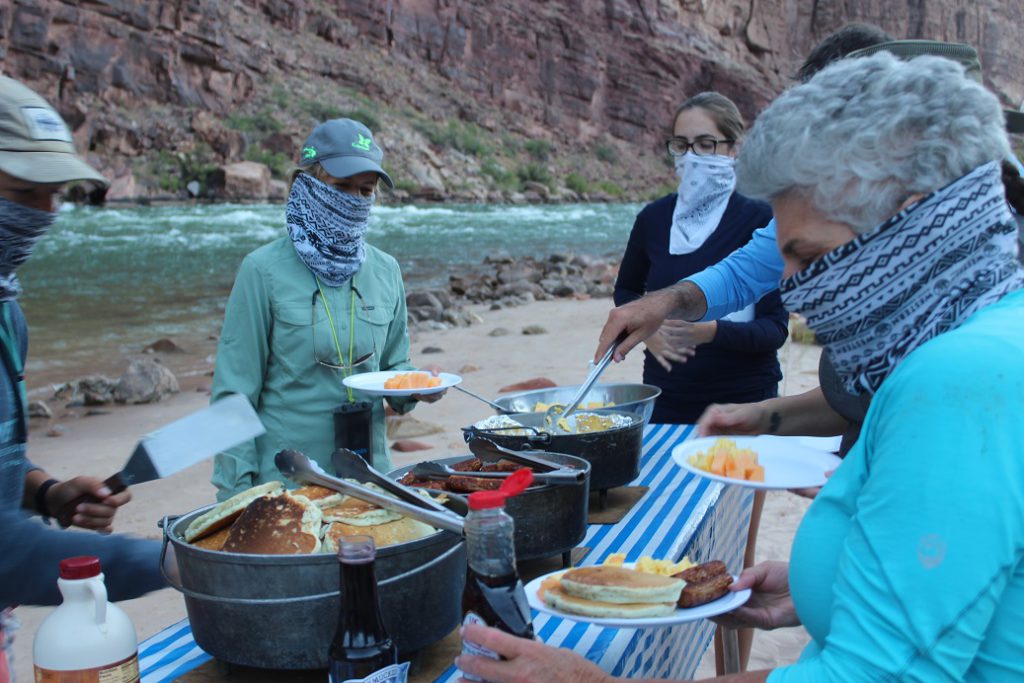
<point>649,565</point>
<point>540,407</point>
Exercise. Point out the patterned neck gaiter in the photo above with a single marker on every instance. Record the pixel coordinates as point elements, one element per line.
<point>20,229</point>
<point>327,227</point>
<point>921,273</point>
<point>705,185</point>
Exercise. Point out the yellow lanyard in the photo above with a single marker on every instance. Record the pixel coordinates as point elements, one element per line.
<point>334,332</point>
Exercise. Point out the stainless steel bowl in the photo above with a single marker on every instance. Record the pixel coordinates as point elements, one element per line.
<point>637,399</point>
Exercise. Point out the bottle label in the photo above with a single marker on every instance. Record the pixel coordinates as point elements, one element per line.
<point>396,673</point>
<point>470,648</point>
<point>125,671</point>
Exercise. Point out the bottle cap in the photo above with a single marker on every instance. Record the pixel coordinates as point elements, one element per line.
<point>356,549</point>
<point>82,567</point>
<point>485,500</point>
<point>517,482</point>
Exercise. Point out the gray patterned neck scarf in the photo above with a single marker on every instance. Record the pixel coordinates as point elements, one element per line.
<point>20,229</point>
<point>921,273</point>
<point>327,227</point>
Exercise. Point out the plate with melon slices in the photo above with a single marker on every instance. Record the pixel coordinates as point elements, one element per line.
<point>623,596</point>
<point>758,462</point>
<point>401,382</point>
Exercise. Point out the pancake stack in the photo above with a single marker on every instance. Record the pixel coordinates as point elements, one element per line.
<point>268,520</point>
<point>614,592</point>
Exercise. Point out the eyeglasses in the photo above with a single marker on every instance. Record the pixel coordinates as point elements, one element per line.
<point>320,359</point>
<point>702,146</point>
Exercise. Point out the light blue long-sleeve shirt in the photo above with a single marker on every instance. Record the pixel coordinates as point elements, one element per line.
<point>742,278</point>
<point>909,565</point>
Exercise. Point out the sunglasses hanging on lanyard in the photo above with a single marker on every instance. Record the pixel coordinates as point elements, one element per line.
<point>353,423</point>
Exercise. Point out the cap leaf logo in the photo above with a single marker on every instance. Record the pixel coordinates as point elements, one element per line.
<point>308,152</point>
<point>363,142</point>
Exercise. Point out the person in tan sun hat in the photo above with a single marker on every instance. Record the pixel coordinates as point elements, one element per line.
<point>37,158</point>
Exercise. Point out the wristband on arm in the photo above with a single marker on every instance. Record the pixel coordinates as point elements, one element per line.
<point>41,507</point>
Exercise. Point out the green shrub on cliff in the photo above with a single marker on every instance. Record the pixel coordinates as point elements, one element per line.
<point>537,173</point>
<point>262,121</point>
<point>465,137</point>
<point>538,149</point>
<point>606,153</point>
<point>278,163</point>
<point>502,178</point>
<point>577,183</point>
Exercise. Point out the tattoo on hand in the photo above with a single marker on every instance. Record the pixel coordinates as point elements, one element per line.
<point>774,422</point>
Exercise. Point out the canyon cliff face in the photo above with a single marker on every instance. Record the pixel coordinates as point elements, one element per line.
<point>472,99</point>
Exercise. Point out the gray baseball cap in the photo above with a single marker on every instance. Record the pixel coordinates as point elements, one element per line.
<point>35,143</point>
<point>343,148</point>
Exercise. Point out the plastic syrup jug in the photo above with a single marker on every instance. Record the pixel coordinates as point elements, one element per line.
<point>86,639</point>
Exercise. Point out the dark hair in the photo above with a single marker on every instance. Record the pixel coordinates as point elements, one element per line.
<point>720,108</point>
<point>1014,185</point>
<point>849,38</point>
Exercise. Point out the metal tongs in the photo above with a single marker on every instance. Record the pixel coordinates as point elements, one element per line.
<point>301,469</point>
<point>556,413</point>
<point>435,470</point>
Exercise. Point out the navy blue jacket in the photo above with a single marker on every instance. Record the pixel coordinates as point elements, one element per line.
<point>740,364</point>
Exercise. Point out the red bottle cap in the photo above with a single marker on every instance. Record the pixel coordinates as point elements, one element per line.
<point>485,500</point>
<point>82,567</point>
<point>517,482</point>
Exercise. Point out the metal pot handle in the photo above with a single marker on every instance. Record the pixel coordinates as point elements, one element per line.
<point>285,601</point>
<point>538,437</point>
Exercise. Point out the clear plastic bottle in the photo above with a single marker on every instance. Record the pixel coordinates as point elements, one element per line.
<point>493,595</point>
<point>86,639</point>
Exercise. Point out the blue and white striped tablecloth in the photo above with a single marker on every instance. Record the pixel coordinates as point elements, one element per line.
<point>680,515</point>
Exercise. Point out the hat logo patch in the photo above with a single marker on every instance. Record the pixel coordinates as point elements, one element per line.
<point>44,124</point>
<point>363,143</point>
<point>309,152</point>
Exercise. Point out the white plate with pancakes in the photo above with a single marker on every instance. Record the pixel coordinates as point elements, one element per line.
<point>618,606</point>
<point>373,383</point>
<point>788,463</point>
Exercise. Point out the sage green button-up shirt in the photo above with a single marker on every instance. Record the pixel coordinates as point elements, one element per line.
<point>266,352</point>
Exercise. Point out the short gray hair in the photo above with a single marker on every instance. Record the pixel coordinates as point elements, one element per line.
<point>864,134</point>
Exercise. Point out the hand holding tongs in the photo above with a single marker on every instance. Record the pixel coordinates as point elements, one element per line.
<point>554,414</point>
<point>301,469</point>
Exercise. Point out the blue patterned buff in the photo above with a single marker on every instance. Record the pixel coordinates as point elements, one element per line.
<point>327,227</point>
<point>921,273</point>
<point>20,229</point>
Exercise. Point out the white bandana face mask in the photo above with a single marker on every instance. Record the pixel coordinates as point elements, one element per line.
<point>705,185</point>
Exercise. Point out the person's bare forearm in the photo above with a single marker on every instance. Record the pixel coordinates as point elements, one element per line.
<point>688,299</point>
<point>806,414</point>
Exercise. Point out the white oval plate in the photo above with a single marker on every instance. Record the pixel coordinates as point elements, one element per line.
<point>373,383</point>
<point>726,603</point>
<point>788,464</point>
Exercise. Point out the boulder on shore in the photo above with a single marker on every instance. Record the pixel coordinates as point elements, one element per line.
<point>145,381</point>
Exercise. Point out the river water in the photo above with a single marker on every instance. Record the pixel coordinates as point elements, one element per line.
<point>107,281</point>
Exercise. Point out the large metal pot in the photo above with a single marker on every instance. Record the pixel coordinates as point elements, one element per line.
<point>281,611</point>
<point>614,454</point>
<point>628,398</point>
<point>549,520</point>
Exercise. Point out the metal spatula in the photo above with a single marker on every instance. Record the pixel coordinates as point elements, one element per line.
<point>196,437</point>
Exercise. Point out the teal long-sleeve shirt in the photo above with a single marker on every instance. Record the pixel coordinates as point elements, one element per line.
<point>275,329</point>
<point>909,565</point>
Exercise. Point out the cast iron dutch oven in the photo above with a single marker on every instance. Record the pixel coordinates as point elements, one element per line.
<point>281,611</point>
<point>549,520</point>
<point>613,454</point>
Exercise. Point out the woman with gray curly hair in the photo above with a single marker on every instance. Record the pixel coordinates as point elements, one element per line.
<point>900,251</point>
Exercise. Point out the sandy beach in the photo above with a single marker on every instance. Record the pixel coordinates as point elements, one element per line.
<point>99,444</point>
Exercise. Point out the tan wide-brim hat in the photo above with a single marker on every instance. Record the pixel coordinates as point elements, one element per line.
<point>35,143</point>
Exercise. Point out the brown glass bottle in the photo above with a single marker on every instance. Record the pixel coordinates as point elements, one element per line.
<point>493,595</point>
<point>362,649</point>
